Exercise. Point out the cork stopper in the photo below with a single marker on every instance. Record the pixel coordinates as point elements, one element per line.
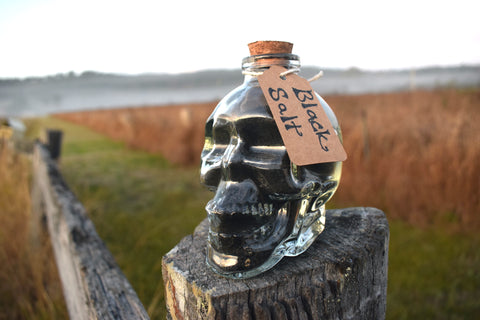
<point>269,47</point>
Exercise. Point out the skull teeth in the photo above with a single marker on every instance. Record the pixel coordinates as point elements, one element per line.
<point>255,209</point>
<point>259,209</point>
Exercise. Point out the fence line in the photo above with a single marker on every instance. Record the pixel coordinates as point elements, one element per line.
<point>94,287</point>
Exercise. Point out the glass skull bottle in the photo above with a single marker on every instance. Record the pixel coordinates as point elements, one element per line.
<point>265,207</point>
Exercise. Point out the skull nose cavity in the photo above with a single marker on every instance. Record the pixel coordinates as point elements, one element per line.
<point>237,192</point>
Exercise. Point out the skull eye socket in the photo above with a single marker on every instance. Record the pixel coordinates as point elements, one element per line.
<point>222,131</point>
<point>218,134</point>
<point>208,145</point>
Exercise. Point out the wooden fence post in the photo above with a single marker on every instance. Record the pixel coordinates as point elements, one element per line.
<point>54,143</point>
<point>343,275</point>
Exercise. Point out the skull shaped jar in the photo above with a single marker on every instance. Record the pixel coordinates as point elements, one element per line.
<point>265,207</point>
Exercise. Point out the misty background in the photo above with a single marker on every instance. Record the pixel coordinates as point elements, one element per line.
<point>37,96</point>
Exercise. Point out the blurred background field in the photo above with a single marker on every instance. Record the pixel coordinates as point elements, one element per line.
<point>412,154</point>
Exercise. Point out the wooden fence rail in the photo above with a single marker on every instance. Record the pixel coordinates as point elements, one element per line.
<point>94,287</point>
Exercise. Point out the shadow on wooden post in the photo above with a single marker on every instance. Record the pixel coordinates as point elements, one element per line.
<point>343,275</point>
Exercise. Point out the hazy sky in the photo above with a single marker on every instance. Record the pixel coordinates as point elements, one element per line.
<point>41,37</point>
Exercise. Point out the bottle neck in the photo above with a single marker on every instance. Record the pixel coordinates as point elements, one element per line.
<point>256,64</point>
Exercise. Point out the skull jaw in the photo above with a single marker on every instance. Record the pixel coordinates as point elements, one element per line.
<point>263,254</point>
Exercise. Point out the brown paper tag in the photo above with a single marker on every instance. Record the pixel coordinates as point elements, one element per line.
<point>306,131</point>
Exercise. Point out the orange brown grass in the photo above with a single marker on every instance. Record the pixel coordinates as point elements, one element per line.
<point>413,154</point>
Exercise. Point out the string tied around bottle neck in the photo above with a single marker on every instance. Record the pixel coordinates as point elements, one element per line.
<point>284,73</point>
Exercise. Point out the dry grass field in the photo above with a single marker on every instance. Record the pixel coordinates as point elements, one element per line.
<point>412,154</point>
<point>29,283</point>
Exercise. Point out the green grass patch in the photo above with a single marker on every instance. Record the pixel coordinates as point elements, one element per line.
<point>142,207</point>
<point>433,274</point>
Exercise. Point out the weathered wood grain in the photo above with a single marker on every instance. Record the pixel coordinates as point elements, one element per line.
<point>93,285</point>
<point>343,275</point>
